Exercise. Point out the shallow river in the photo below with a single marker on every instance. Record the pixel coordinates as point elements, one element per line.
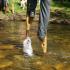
<point>12,34</point>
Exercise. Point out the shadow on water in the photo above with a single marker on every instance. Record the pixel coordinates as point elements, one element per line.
<point>12,34</point>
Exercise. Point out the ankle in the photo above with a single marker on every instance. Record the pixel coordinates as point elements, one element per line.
<point>44,45</point>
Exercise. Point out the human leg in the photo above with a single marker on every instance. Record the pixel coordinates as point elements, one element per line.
<point>31,5</point>
<point>6,4</point>
<point>12,6</point>
<point>43,23</point>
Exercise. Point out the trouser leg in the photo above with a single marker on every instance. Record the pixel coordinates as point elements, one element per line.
<point>6,6</point>
<point>44,18</point>
<point>31,6</point>
<point>2,5</point>
<point>43,23</point>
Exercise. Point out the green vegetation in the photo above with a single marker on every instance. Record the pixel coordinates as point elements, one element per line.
<point>63,8</point>
<point>16,6</point>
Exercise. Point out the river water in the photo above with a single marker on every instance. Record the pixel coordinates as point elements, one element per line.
<point>12,34</point>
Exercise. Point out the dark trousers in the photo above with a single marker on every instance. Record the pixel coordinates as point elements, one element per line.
<point>0,4</point>
<point>44,15</point>
<point>31,5</point>
<point>44,18</point>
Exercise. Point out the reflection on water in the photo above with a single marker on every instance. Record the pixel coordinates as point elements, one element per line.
<point>12,33</point>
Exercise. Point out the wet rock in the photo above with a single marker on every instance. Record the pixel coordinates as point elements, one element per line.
<point>17,17</point>
<point>6,18</point>
<point>60,21</point>
<point>3,16</point>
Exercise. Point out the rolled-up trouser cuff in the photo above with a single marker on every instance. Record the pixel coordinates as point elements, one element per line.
<point>44,18</point>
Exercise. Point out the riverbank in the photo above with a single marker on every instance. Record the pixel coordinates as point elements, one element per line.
<point>56,17</point>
